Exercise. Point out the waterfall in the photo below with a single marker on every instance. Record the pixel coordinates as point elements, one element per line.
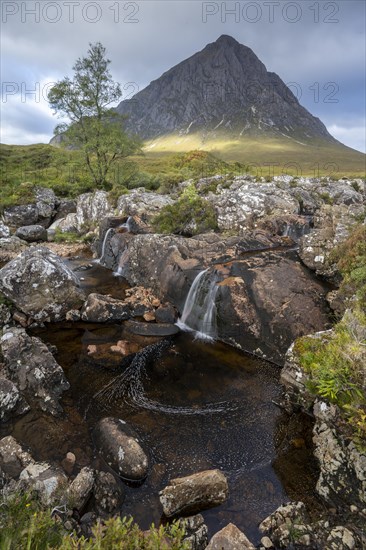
<point>127,224</point>
<point>199,313</point>
<point>100,260</point>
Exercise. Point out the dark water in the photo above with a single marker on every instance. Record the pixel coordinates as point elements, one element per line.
<point>195,406</point>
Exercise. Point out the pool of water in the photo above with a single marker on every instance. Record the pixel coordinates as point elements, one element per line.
<point>195,406</point>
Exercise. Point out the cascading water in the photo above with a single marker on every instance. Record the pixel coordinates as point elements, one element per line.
<point>199,313</point>
<point>101,258</point>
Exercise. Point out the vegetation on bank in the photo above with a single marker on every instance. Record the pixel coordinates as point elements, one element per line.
<point>335,362</point>
<point>189,215</point>
<point>25,525</point>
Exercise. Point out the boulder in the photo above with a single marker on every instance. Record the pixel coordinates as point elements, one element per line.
<point>230,538</point>
<point>194,493</point>
<point>10,247</point>
<point>41,285</point>
<point>13,458</point>
<point>39,212</point>
<point>17,216</point>
<point>119,446</point>
<point>4,230</point>
<point>80,489</point>
<point>11,402</point>
<point>64,208</point>
<point>33,369</point>
<point>91,208</point>
<point>48,482</point>
<point>146,205</point>
<point>31,233</point>
<point>100,309</point>
<point>108,494</point>
<point>239,207</point>
<point>332,225</point>
<point>196,532</point>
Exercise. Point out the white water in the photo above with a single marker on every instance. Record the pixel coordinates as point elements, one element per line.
<point>199,313</point>
<point>99,260</point>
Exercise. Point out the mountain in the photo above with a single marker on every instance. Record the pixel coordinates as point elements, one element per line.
<point>222,90</point>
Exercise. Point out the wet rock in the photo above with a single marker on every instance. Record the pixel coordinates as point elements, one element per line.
<point>143,204</point>
<point>121,449</point>
<point>152,329</point>
<point>99,309</point>
<point>48,482</point>
<point>4,230</point>
<point>81,488</point>
<point>332,225</point>
<point>31,233</point>
<point>194,493</point>
<point>10,247</point>
<point>11,402</point>
<point>136,225</point>
<point>230,538</point>
<point>41,285</point>
<point>92,207</point>
<point>33,369</point>
<point>13,458</point>
<point>108,494</point>
<point>196,532</point>
<point>166,314</point>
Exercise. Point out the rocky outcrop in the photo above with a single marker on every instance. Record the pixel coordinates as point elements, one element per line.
<point>31,233</point>
<point>91,208</point>
<point>32,368</point>
<point>342,480</point>
<point>332,225</point>
<point>41,285</point>
<point>230,538</point>
<point>190,494</point>
<point>290,527</point>
<point>143,204</point>
<point>243,204</point>
<point>120,448</point>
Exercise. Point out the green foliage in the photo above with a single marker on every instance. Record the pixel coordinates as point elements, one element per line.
<point>190,215</point>
<point>351,259</point>
<point>24,525</point>
<point>94,127</point>
<point>117,533</point>
<point>335,364</point>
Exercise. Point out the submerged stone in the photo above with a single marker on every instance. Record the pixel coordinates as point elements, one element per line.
<point>119,446</point>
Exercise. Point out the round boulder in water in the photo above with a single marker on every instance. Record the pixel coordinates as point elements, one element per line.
<point>119,446</point>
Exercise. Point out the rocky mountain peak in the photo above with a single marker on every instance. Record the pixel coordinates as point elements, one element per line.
<point>222,90</point>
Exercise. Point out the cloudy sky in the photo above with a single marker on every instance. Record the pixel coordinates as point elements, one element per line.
<point>316,47</point>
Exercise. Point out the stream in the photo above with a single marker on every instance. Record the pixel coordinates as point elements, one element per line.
<point>196,405</point>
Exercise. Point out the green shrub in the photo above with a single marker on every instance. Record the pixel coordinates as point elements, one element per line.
<point>190,215</point>
<point>24,525</point>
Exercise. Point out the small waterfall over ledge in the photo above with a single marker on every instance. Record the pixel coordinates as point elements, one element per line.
<point>126,227</point>
<point>199,313</point>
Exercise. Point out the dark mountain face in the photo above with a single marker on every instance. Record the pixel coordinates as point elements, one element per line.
<point>223,89</point>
